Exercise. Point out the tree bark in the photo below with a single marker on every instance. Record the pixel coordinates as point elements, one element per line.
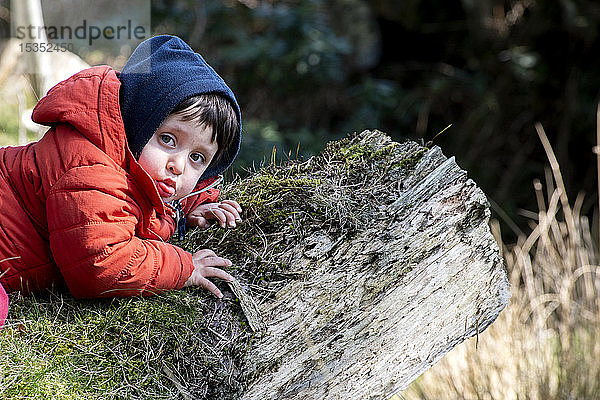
<point>375,309</point>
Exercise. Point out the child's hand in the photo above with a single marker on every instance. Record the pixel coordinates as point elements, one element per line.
<point>205,262</point>
<point>226,212</point>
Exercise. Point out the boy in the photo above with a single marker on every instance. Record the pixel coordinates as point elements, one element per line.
<point>92,204</point>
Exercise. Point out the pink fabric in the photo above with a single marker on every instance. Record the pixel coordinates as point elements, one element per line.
<point>3,306</point>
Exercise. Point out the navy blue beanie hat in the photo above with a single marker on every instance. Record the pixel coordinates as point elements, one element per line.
<point>162,72</point>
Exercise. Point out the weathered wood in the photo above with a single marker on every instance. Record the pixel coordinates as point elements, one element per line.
<point>375,310</point>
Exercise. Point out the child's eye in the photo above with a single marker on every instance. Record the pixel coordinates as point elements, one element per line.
<point>197,157</point>
<point>167,139</point>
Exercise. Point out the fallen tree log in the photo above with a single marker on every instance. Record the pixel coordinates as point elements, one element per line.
<point>356,271</point>
<point>393,262</point>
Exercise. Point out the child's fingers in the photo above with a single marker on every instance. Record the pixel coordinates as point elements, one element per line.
<point>234,204</point>
<point>227,213</point>
<point>225,217</point>
<point>198,220</point>
<point>205,263</point>
<point>232,210</point>
<point>210,272</point>
<point>204,253</point>
<point>219,215</point>
<point>211,287</point>
<point>208,262</point>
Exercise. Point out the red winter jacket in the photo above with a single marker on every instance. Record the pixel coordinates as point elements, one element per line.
<point>77,208</point>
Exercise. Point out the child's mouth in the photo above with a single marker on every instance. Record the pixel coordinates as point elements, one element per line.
<point>165,188</point>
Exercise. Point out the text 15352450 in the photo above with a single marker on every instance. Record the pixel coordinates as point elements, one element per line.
<point>45,47</point>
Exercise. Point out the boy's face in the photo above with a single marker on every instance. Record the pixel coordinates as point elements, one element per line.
<point>177,155</point>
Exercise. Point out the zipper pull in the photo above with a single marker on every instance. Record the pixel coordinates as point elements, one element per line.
<point>180,220</point>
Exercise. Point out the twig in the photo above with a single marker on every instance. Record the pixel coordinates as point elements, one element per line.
<point>559,181</point>
<point>249,307</point>
<point>176,382</point>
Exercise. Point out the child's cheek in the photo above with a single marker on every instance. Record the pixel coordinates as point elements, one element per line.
<point>186,188</point>
<point>149,161</point>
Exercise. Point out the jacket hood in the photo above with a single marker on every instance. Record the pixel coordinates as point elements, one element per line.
<point>89,102</point>
<point>162,72</point>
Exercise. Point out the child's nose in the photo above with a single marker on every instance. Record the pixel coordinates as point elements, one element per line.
<point>175,165</point>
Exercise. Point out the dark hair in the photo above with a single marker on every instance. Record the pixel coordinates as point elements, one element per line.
<point>215,111</point>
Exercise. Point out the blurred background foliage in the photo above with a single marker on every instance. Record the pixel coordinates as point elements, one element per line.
<point>311,71</point>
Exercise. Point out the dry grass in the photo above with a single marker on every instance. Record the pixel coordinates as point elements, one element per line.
<point>546,344</point>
